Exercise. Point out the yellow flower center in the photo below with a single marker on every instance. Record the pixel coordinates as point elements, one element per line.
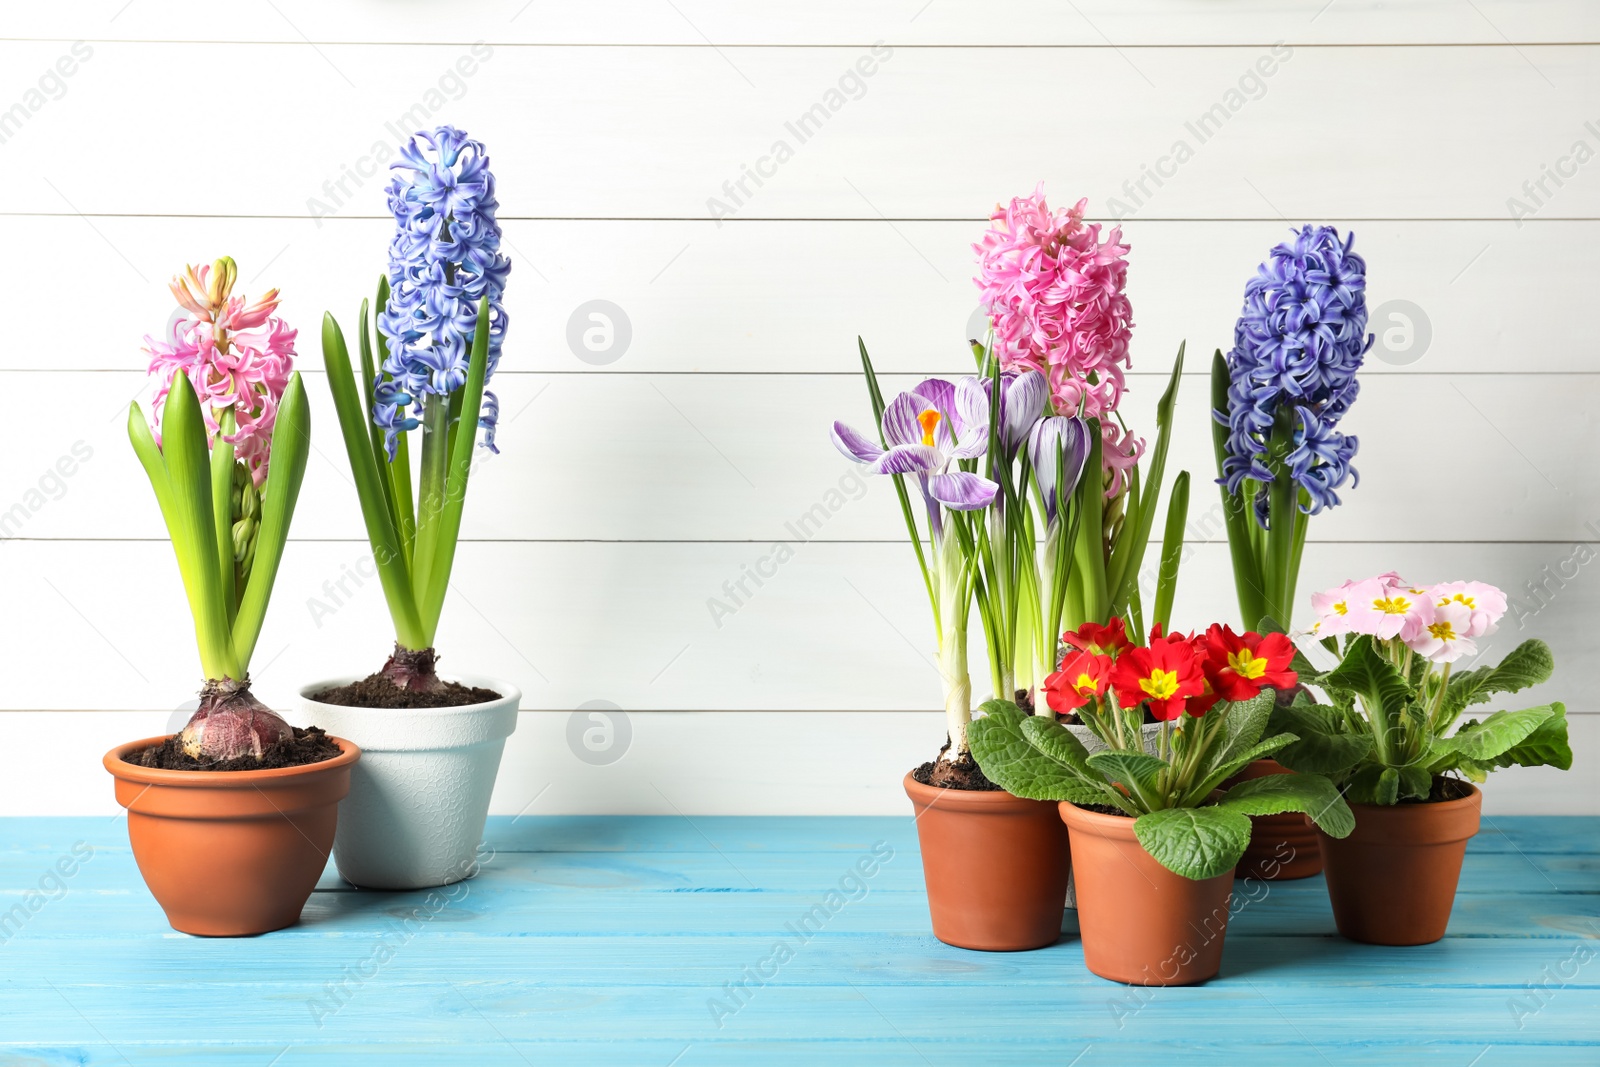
<point>929,419</point>
<point>1161,684</point>
<point>1085,684</point>
<point>1392,605</point>
<point>1341,608</point>
<point>1459,598</point>
<point>1247,664</point>
<point>1443,631</point>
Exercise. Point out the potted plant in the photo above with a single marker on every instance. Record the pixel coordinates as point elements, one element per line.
<point>1054,291</point>
<point>1386,741</point>
<point>1154,839</point>
<point>995,865</point>
<point>1277,400</point>
<point>230,820</point>
<point>420,797</point>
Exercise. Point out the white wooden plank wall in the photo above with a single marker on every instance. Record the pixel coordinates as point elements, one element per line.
<point>639,487</point>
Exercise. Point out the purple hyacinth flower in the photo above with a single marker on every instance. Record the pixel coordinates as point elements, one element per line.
<point>443,259</point>
<point>1298,344</point>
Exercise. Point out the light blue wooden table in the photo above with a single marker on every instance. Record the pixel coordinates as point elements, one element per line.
<point>672,941</point>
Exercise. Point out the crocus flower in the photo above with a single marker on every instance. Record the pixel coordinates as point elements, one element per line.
<point>1486,603</point>
<point>1083,677</point>
<point>1240,665</point>
<point>238,357</point>
<point>1164,676</point>
<point>1022,398</point>
<point>928,429</point>
<point>1297,346</point>
<point>1446,636</point>
<point>444,258</point>
<point>1066,436</point>
<point>1110,640</point>
<point>1388,610</point>
<point>1054,291</point>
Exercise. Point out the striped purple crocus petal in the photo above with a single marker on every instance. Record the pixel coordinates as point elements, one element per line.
<point>972,419</point>
<point>938,392</point>
<point>962,490</point>
<point>900,425</point>
<point>1068,435</point>
<point>854,444</point>
<point>908,459</point>
<point>1020,408</point>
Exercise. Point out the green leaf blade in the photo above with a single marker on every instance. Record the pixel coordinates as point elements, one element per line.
<point>291,447</point>
<point>1273,794</point>
<point>1002,751</point>
<point>1197,843</point>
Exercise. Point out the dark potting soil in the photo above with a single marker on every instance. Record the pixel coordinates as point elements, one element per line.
<point>1443,789</point>
<point>964,773</point>
<point>307,746</point>
<point>377,691</point>
<point>1104,809</point>
<point>1025,702</point>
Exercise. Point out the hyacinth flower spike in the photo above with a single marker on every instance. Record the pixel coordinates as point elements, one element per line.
<point>1278,398</point>
<point>439,330</point>
<point>1055,290</point>
<point>234,433</point>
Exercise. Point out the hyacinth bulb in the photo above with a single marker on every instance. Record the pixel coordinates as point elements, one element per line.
<point>413,669</point>
<point>231,723</point>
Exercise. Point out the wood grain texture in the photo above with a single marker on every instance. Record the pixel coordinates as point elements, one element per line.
<point>636,495</point>
<point>565,952</point>
<point>702,23</point>
<point>791,297</point>
<point>649,626</point>
<point>591,457</point>
<point>741,760</point>
<point>612,132</point>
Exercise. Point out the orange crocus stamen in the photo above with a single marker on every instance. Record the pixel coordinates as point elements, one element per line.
<point>928,420</point>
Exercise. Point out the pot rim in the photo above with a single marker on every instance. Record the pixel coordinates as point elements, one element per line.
<point>943,799</point>
<point>1120,826</point>
<point>119,767</point>
<point>1473,797</point>
<point>506,690</point>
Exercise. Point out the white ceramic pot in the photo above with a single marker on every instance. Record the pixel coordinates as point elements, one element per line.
<point>1150,731</point>
<point>416,810</point>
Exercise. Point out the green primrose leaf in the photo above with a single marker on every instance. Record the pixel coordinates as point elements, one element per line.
<point>1196,843</point>
<point>1313,794</point>
<point>1008,760</point>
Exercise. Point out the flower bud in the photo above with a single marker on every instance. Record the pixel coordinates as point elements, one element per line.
<point>242,531</point>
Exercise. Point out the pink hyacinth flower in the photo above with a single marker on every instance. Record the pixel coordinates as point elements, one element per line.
<point>236,356</point>
<point>1055,295</point>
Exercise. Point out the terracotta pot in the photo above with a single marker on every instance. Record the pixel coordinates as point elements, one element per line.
<point>231,853</point>
<point>1282,847</point>
<point>995,866</point>
<point>1393,880</point>
<point>1142,924</point>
